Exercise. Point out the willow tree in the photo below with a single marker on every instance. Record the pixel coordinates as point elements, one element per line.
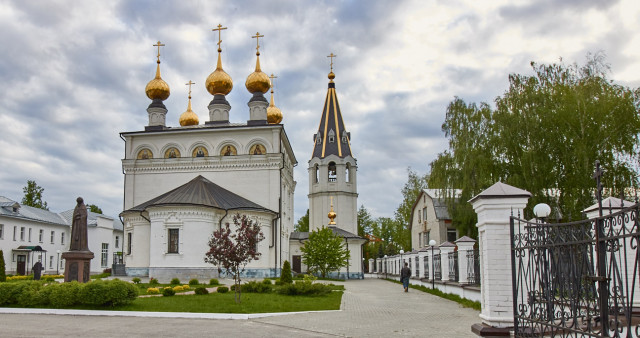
<point>544,135</point>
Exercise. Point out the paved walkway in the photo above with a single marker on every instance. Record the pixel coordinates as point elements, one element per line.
<point>370,308</point>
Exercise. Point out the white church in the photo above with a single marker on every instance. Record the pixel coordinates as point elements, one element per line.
<point>183,182</point>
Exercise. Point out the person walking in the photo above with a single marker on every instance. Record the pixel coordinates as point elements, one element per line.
<point>405,273</point>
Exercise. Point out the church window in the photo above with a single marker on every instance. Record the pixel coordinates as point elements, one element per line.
<point>228,150</point>
<point>41,236</point>
<point>332,136</point>
<point>104,257</point>
<point>345,136</point>
<point>200,151</point>
<point>347,173</point>
<point>129,237</point>
<point>145,154</point>
<point>257,149</point>
<point>332,172</point>
<point>317,174</point>
<point>172,153</point>
<point>318,138</point>
<point>173,241</point>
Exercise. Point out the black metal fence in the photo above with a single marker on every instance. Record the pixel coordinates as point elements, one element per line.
<point>473,266</point>
<point>437,267</point>
<point>577,279</point>
<point>453,266</point>
<point>426,266</point>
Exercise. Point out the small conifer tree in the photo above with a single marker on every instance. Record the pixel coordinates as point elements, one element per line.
<point>3,276</point>
<point>285,276</point>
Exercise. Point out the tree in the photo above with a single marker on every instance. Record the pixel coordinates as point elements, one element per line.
<point>303,223</point>
<point>544,135</point>
<point>285,276</point>
<point>3,275</point>
<point>324,252</point>
<point>94,208</point>
<point>33,195</point>
<point>365,222</point>
<point>233,251</point>
<point>412,188</point>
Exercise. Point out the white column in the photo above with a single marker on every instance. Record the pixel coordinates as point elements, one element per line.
<point>421,256</point>
<point>494,206</point>
<point>371,265</point>
<point>465,245</point>
<point>445,249</point>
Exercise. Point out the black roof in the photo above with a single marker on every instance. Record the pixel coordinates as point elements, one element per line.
<point>201,192</point>
<point>332,121</point>
<point>336,230</point>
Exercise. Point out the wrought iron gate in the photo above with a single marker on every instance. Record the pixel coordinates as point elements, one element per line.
<point>578,279</point>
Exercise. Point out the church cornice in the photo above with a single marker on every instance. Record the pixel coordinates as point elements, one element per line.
<point>217,163</point>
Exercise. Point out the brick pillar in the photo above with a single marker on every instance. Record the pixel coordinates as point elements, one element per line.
<point>371,266</point>
<point>494,206</point>
<point>465,246</point>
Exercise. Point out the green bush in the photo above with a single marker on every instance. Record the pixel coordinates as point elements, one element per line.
<point>285,275</point>
<point>255,287</point>
<point>168,292</point>
<point>201,290</point>
<point>278,282</point>
<point>3,276</point>
<point>64,294</point>
<point>223,289</point>
<point>194,282</point>
<point>175,281</point>
<point>108,293</point>
<point>9,293</point>
<point>266,281</point>
<point>136,280</point>
<point>213,281</point>
<point>303,289</point>
<point>48,279</point>
<point>153,281</point>
<point>30,295</point>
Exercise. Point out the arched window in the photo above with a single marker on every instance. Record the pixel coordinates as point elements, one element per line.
<point>172,153</point>
<point>317,174</point>
<point>332,172</point>
<point>200,152</point>
<point>347,173</point>
<point>145,154</point>
<point>332,136</point>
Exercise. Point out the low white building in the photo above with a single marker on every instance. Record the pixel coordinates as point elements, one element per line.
<point>29,234</point>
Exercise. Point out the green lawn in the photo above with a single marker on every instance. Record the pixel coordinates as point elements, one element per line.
<point>225,303</point>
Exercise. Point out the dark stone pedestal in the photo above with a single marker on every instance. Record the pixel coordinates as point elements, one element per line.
<point>484,330</point>
<point>77,265</point>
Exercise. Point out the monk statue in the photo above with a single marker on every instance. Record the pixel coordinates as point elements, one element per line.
<point>79,240</point>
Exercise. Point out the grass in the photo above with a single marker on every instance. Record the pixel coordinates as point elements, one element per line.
<point>225,303</point>
<point>450,296</point>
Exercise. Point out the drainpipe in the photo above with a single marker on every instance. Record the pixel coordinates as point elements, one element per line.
<point>346,242</point>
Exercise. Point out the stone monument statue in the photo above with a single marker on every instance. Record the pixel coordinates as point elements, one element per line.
<point>78,258</point>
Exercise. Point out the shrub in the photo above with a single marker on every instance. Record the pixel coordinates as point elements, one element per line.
<point>255,287</point>
<point>64,294</point>
<point>285,275</point>
<point>194,282</point>
<point>153,291</point>
<point>136,280</point>
<point>9,293</point>
<point>153,281</point>
<point>213,281</point>
<point>48,279</point>
<point>234,287</point>
<point>178,288</point>
<point>14,278</point>
<point>186,287</point>
<point>223,289</point>
<point>266,281</point>
<point>108,293</point>
<point>278,282</point>
<point>168,292</point>
<point>3,276</point>
<point>304,288</point>
<point>201,290</point>
<point>30,295</point>
<point>175,281</point>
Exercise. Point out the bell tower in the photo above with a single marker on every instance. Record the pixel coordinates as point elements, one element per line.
<point>332,168</point>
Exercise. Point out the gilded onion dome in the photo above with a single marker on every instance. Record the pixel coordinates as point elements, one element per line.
<point>274,115</point>
<point>257,82</point>
<point>157,89</point>
<point>189,118</point>
<point>332,215</point>
<point>219,82</point>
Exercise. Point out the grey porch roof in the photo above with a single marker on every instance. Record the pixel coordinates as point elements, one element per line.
<point>501,190</point>
<point>201,192</point>
<point>331,123</point>
<point>300,236</point>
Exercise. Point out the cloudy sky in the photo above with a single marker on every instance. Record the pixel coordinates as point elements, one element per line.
<point>73,73</point>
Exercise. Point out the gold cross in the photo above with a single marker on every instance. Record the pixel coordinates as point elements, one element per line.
<point>272,77</point>
<point>219,29</point>
<point>257,37</point>
<point>189,84</point>
<point>159,44</point>
<point>331,197</point>
<point>331,56</point>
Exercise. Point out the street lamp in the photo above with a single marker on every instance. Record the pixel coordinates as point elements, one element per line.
<point>401,265</point>
<point>385,266</point>
<point>58,263</point>
<point>432,243</point>
<point>542,211</point>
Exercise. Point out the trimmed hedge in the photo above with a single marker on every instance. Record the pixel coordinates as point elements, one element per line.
<point>175,281</point>
<point>213,281</point>
<point>201,290</point>
<point>303,288</point>
<point>168,292</point>
<point>255,287</point>
<point>194,282</point>
<point>223,289</point>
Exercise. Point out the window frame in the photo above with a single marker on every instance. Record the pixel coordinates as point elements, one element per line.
<point>173,240</point>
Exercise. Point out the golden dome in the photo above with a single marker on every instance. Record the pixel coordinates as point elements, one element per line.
<point>332,215</point>
<point>157,88</point>
<point>274,115</point>
<point>219,82</point>
<point>258,82</point>
<point>189,118</point>
<point>332,76</point>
